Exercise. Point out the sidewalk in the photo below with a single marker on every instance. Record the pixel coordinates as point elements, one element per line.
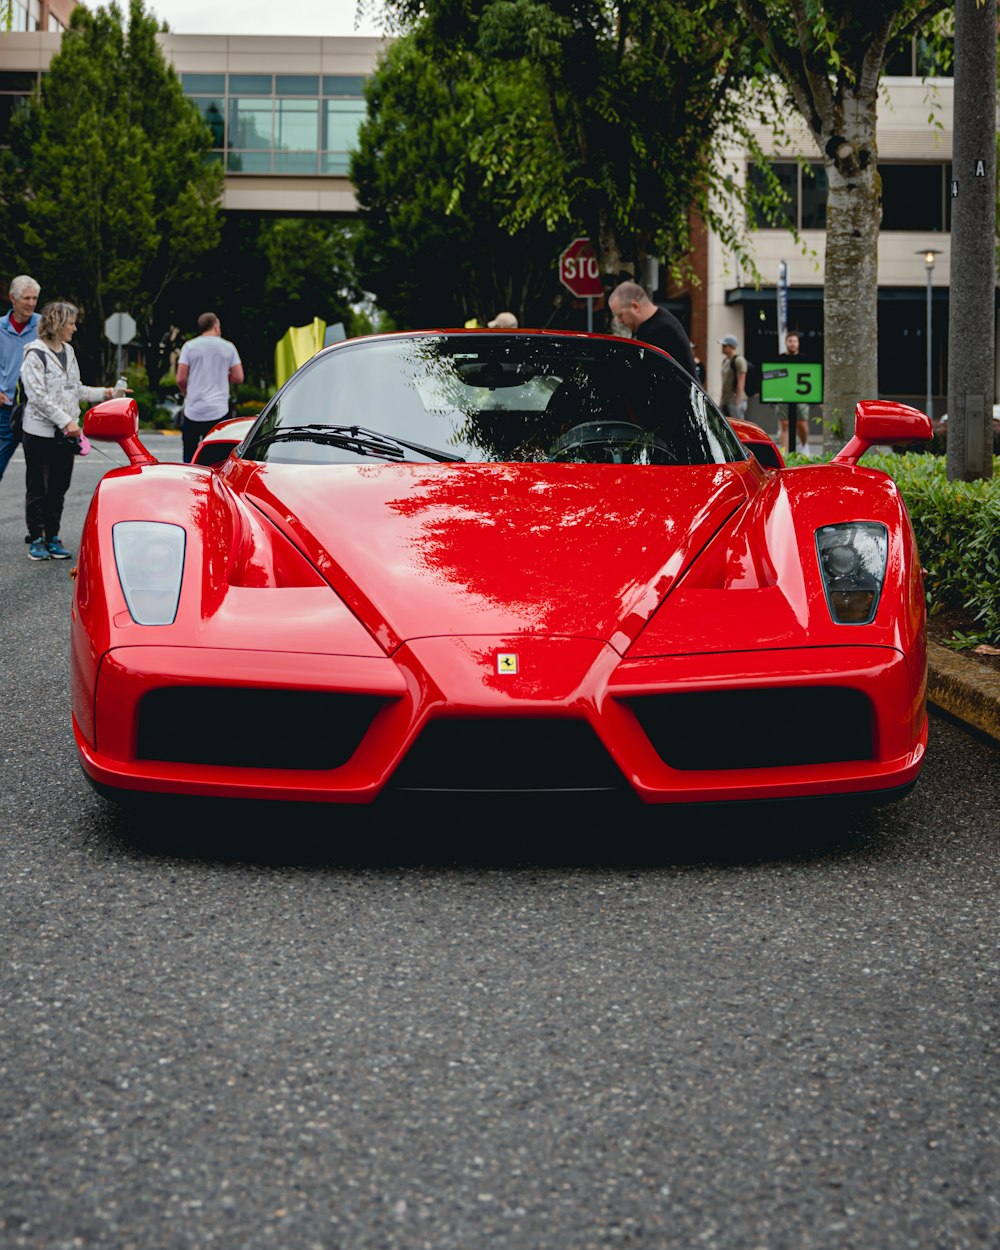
<point>964,689</point>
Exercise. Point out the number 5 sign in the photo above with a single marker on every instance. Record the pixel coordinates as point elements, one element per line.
<point>787,382</point>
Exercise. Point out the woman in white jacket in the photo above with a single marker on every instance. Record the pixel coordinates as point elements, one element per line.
<point>51,380</point>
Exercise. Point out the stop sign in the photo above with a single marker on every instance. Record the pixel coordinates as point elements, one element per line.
<point>120,328</point>
<point>578,269</point>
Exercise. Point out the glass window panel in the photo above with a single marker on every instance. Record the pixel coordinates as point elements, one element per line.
<point>250,84</point>
<point>787,173</point>
<point>334,163</point>
<point>250,123</point>
<point>296,84</point>
<point>204,84</point>
<point>297,124</point>
<point>912,197</point>
<point>900,64</point>
<point>343,84</point>
<point>22,81</point>
<point>814,189</point>
<point>341,121</point>
<point>933,62</point>
<point>248,162</point>
<point>295,162</point>
<point>213,111</point>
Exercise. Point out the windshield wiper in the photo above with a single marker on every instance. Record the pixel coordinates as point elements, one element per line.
<point>354,437</point>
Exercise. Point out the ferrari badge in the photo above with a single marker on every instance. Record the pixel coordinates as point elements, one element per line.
<point>506,662</point>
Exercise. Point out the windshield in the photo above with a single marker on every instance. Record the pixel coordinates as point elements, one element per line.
<point>493,397</point>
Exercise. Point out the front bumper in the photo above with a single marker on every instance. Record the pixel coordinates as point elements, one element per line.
<point>570,718</point>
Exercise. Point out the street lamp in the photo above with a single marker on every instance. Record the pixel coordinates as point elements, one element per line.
<point>928,253</point>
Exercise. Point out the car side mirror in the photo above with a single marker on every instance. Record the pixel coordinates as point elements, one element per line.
<point>882,421</point>
<point>117,421</point>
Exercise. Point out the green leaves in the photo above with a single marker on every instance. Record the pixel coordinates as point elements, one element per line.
<point>107,185</point>
<point>957,525</point>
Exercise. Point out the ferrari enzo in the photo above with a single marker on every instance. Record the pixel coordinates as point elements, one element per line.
<point>481,561</point>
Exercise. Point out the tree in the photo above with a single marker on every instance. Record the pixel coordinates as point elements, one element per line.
<point>107,183</point>
<point>830,57</point>
<point>265,275</point>
<point>622,110</point>
<point>431,242</point>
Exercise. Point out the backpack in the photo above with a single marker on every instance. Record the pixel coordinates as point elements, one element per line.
<point>17,412</point>
<point>752,384</point>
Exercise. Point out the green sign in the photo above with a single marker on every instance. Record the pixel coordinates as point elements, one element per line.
<point>791,382</point>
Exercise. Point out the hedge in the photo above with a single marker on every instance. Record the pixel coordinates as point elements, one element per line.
<point>957,525</point>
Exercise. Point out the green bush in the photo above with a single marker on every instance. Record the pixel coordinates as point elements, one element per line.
<point>957,525</point>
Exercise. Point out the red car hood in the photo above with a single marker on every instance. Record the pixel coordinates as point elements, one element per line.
<point>427,550</point>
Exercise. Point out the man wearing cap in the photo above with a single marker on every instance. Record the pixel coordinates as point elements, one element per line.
<point>503,321</point>
<point>733,400</point>
<point>630,305</point>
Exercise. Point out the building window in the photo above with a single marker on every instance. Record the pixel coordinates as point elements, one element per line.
<point>915,197</point>
<point>16,87</point>
<point>280,123</point>
<point>25,15</point>
<point>921,59</point>
<point>803,190</point>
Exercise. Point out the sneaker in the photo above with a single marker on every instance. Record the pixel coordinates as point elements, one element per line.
<point>38,550</point>
<point>56,550</point>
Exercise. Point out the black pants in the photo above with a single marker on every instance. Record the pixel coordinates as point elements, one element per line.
<point>47,475</point>
<point>193,432</point>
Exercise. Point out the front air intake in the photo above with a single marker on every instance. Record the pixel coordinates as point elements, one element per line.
<point>467,754</point>
<point>249,728</point>
<point>771,728</point>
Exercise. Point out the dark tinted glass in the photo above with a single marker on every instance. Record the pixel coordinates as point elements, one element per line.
<point>912,197</point>
<point>495,397</point>
<point>780,218</point>
<point>250,84</point>
<point>204,84</point>
<point>344,84</point>
<point>19,80</point>
<point>814,189</point>
<point>296,84</point>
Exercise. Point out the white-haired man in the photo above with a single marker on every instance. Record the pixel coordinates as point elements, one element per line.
<point>17,329</point>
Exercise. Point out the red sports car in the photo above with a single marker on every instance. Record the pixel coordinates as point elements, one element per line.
<point>482,561</point>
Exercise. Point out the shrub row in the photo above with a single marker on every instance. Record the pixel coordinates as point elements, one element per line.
<point>957,525</point>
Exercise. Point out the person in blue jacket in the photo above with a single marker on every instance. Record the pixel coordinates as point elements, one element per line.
<point>17,329</point>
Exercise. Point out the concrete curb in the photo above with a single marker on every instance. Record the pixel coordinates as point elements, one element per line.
<point>964,689</point>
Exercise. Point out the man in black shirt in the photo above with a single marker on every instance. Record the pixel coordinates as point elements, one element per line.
<point>630,304</point>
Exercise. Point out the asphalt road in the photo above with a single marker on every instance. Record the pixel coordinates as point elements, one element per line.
<point>525,1031</point>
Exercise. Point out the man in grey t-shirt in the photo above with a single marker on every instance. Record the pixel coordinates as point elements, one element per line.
<point>206,368</point>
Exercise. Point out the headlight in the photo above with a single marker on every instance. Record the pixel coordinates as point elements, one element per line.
<point>150,560</point>
<point>852,560</point>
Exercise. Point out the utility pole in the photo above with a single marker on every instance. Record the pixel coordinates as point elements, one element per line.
<point>972,331</point>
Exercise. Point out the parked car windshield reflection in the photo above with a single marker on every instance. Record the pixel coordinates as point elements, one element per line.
<point>493,397</point>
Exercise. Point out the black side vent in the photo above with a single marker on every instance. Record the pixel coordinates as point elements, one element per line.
<point>508,755</point>
<point>242,728</point>
<point>770,728</point>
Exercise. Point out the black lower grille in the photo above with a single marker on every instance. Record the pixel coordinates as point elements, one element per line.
<point>242,728</point>
<point>757,728</point>
<point>508,755</point>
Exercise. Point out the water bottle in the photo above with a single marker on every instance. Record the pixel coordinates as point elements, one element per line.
<point>121,386</point>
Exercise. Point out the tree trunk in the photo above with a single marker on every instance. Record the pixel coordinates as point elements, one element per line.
<point>850,299</point>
